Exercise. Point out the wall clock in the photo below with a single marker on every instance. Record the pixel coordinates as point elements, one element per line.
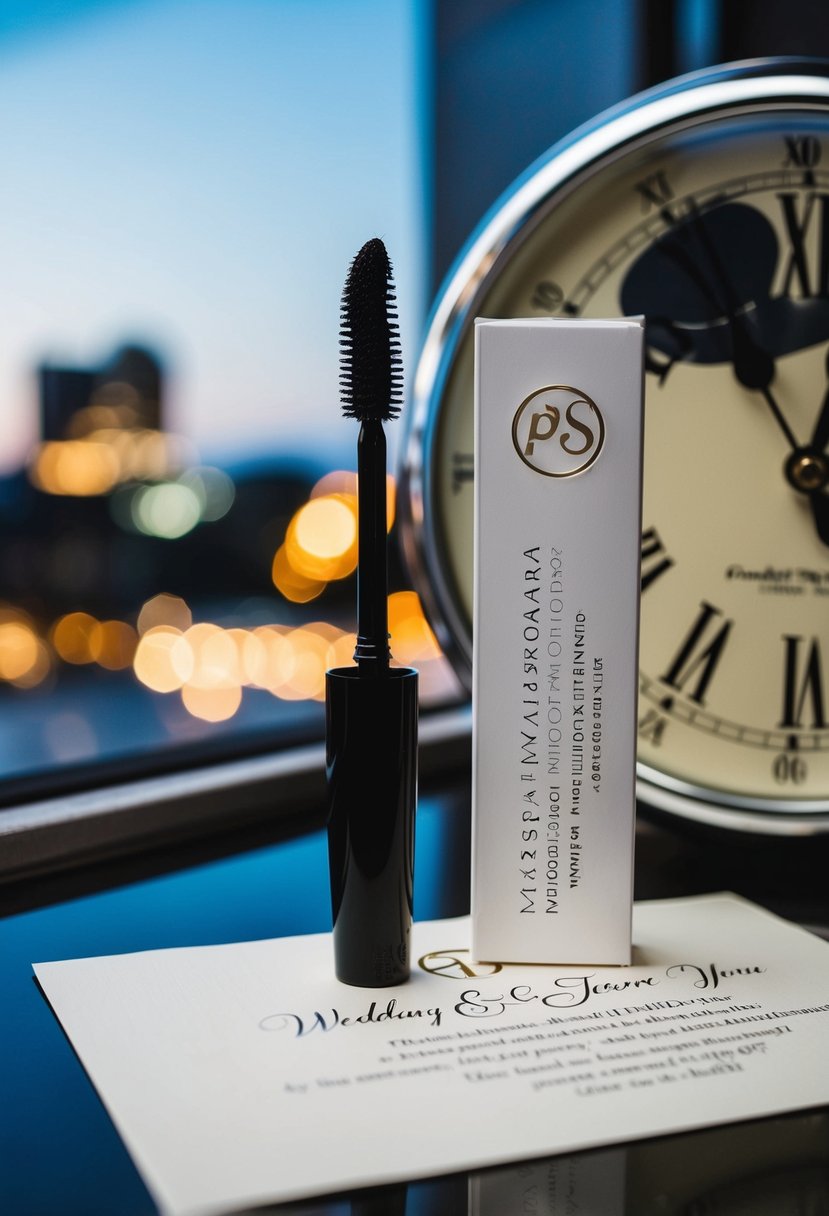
<point>703,204</point>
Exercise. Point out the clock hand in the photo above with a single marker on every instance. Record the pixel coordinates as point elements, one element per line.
<point>753,366</point>
<point>820,513</point>
<point>754,369</point>
<point>807,470</point>
<point>820,435</point>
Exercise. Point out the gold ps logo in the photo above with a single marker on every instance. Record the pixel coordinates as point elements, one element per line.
<point>456,965</point>
<point>558,431</point>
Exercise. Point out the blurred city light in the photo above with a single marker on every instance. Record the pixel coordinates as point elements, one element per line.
<point>212,704</point>
<point>114,645</point>
<point>168,510</point>
<point>164,659</point>
<point>294,586</point>
<point>208,664</point>
<point>321,541</point>
<point>214,490</point>
<point>340,481</point>
<point>75,467</point>
<point>75,637</point>
<point>97,462</point>
<point>412,638</point>
<point>164,609</point>
<point>19,647</point>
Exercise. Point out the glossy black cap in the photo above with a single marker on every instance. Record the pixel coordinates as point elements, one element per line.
<point>371,764</point>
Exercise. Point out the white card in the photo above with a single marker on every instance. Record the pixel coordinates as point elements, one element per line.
<point>244,1074</point>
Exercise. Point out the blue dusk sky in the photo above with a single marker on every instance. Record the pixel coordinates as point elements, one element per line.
<point>196,175</point>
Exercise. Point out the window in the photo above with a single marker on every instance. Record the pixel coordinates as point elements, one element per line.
<point>185,187</point>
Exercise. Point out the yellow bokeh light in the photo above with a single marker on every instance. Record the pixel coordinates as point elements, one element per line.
<point>39,670</point>
<point>412,639</point>
<point>342,482</point>
<point>246,646</point>
<point>150,456</point>
<point>341,651</point>
<point>269,661</point>
<point>76,637</point>
<point>337,482</point>
<point>19,649</point>
<point>76,467</point>
<point>164,659</point>
<point>295,587</point>
<point>215,658</point>
<point>165,609</point>
<point>114,645</point>
<point>212,704</point>
<point>307,678</point>
<point>321,541</point>
<point>94,418</point>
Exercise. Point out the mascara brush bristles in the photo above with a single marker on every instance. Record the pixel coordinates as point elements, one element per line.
<point>371,379</point>
<point>371,390</point>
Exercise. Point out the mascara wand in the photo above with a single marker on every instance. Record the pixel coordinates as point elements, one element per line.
<point>371,384</point>
<point>371,708</point>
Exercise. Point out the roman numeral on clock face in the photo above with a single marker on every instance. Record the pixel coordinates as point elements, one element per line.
<point>463,470</point>
<point>803,684</point>
<point>699,654</point>
<point>806,222</point>
<point>655,560</point>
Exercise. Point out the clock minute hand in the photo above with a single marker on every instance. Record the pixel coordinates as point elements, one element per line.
<point>820,513</point>
<point>754,369</point>
<point>820,435</point>
<point>753,366</point>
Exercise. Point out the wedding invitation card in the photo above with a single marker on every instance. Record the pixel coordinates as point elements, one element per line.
<point>244,1074</point>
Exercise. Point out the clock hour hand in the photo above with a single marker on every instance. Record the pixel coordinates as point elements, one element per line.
<point>807,469</point>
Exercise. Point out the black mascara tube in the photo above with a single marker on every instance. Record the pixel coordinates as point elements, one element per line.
<point>371,765</point>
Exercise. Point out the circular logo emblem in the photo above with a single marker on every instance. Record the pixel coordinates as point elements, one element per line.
<point>558,431</point>
<point>456,965</point>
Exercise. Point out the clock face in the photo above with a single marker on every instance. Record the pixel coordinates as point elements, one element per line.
<point>715,226</point>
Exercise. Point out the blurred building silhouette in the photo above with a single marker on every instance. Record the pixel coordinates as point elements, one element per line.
<point>73,533</point>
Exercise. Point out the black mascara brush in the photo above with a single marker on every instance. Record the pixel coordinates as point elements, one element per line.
<point>371,709</point>
<point>371,387</point>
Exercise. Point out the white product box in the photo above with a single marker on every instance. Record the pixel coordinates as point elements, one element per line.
<point>558,490</point>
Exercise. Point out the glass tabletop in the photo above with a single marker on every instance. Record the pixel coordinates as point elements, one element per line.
<point>61,1153</point>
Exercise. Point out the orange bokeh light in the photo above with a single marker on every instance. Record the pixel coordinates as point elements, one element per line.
<point>321,541</point>
<point>164,659</point>
<point>211,704</point>
<point>342,482</point>
<point>294,586</point>
<point>75,467</point>
<point>341,651</point>
<point>76,637</point>
<point>114,645</point>
<point>165,609</point>
<point>412,639</point>
<point>19,649</point>
<point>215,658</point>
<point>307,679</point>
<point>270,665</point>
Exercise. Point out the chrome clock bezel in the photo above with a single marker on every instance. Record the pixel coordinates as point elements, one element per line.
<point>736,89</point>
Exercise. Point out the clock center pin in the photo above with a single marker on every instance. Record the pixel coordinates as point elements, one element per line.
<point>807,470</point>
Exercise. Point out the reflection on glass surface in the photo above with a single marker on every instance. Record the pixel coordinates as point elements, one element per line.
<point>176,499</point>
<point>775,1167</point>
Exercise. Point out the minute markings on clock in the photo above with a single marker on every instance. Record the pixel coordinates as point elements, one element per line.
<point>736,732</point>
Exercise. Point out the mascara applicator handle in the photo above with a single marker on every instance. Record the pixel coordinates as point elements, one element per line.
<point>372,650</point>
<point>371,764</point>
